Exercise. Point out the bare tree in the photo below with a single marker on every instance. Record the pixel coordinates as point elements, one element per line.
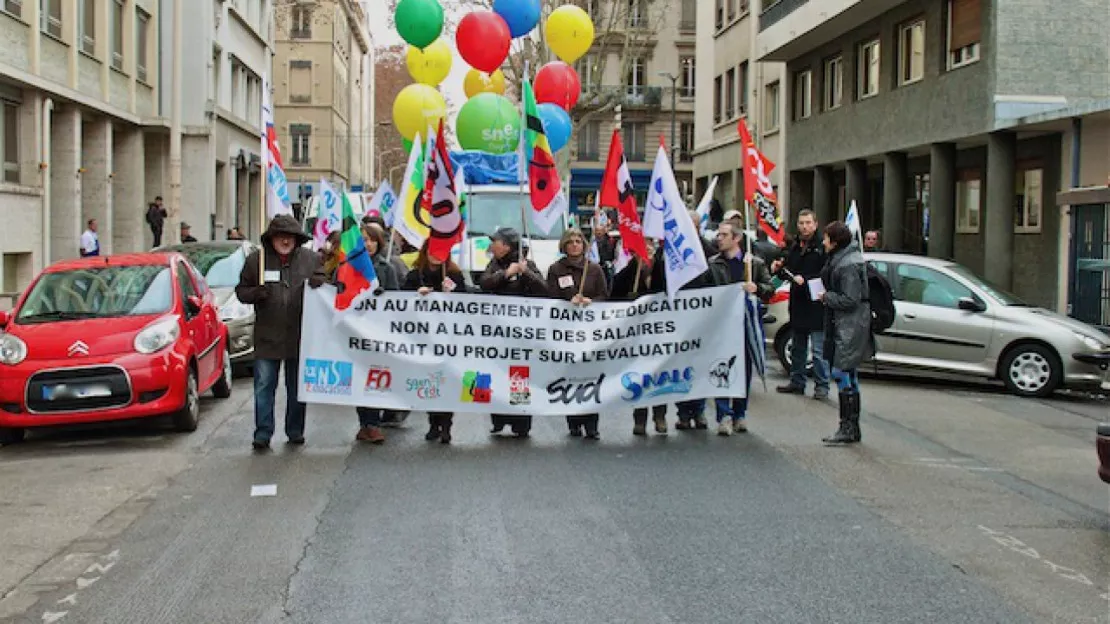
<point>390,76</point>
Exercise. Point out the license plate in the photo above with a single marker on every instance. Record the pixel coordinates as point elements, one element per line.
<point>66,391</point>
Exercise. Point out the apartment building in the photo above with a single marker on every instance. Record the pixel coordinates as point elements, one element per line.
<point>81,133</point>
<point>734,85</point>
<point>639,77</point>
<point>952,123</point>
<point>323,100</point>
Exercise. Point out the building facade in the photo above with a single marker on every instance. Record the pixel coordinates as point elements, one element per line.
<point>323,72</point>
<point>735,86</point>
<point>82,134</point>
<point>937,118</point>
<point>639,77</point>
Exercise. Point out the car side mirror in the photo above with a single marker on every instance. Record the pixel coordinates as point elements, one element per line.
<point>5,318</point>
<point>193,305</point>
<point>970,304</point>
<point>769,319</point>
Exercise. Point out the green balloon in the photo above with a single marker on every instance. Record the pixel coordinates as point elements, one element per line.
<point>490,123</point>
<point>406,144</point>
<point>419,22</point>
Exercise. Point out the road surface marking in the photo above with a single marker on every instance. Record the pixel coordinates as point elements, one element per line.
<point>264,490</point>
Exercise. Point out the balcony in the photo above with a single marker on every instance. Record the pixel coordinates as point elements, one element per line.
<point>628,97</point>
<point>790,28</point>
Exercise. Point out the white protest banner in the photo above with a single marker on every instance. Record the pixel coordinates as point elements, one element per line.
<point>511,355</point>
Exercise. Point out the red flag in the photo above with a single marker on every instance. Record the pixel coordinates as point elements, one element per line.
<point>441,200</point>
<point>616,192</point>
<point>758,190</point>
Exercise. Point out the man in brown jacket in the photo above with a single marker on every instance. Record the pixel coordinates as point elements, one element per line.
<point>277,296</point>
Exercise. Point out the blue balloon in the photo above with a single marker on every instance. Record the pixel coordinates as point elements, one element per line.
<point>521,15</point>
<point>556,124</point>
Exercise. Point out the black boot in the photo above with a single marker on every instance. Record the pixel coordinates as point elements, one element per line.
<point>591,427</point>
<point>639,421</point>
<point>433,428</point>
<point>843,433</point>
<point>445,427</point>
<point>853,417</point>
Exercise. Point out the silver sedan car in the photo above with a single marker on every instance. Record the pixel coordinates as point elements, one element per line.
<point>949,320</point>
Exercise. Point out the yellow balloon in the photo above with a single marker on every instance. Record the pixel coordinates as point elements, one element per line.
<point>570,32</point>
<point>431,65</point>
<point>480,82</point>
<point>417,108</point>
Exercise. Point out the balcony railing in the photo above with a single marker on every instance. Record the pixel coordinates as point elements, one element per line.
<point>777,11</point>
<point>626,96</point>
<point>688,26</point>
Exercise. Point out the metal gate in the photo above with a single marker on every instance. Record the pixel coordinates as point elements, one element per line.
<point>1090,264</point>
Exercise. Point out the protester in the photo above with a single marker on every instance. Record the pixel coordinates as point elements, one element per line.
<point>395,261</point>
<point>574,278</point>
<point>691,414</point>
<point>156,218</point>
<point>871,241</point>
<point>848,337</point>
<point>731,267</point>
<point>430,275</point>
<point>764,249</point>
<point>508,273</point>
<point>233,234</point>
<point>186,233</point>
<point>90,240</point>
<point>390,277</point>
<point>804,261</point>
<point>277,296</point>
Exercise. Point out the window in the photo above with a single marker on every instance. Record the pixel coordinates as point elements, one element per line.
<point>592,9</point>
<point>86,17</point>
<point>868,74</point>
<point>589,140</point>
<point>117,34</point>
<point>51,17</point>
<point>1028,201</point>
<point>717,85</point>
<point>637,75</point>
<point>730,94</point>
<point>771,111</point>
<point>9,141</point>
<point>833,87</point>
<point>142,24</point>
<point>589,71</point>
<point>686,142</point>
<point>635,141</point>
<point>301,27</point>
<point>13,7</point>
<point>300,134</point>
<point>911,52</point>
<point>803,94</point>
<point>965,21</point>
<point>687,66</point>
<point>744,75</point>
<point>719,15</point>
<point>968,202</point>
<point>637,15</point>
<point>689,18</point>
<point>214,78</point>
<point>929,287</point>
<point>300,82</point>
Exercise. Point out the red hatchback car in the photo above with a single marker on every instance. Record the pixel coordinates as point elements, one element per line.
<point>111,338</point>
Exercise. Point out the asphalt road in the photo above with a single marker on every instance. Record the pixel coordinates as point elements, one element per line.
<point>963,505</point>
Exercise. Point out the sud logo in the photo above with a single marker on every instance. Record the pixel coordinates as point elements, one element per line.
<point>477,387</point>
<point>328,376</point>
<point>644,385</point>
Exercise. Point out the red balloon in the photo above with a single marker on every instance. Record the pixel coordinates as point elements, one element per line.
<point>483,40</point>
<point>557,83</point>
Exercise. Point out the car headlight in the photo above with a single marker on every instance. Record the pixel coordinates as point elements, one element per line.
<point>1089,341</point>
<point>157,336</point>
<point>12,349</point>
<point>233,310</point>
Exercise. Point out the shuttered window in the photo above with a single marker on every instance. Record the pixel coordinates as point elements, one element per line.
<point>966,20</point>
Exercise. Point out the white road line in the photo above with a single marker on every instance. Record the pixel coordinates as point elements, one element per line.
<point>264,490</point>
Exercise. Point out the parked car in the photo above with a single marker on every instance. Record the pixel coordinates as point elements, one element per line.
<point>220,262</point>
<point>1102,446</point>
<point>111,338</point>
<point>950,320</point>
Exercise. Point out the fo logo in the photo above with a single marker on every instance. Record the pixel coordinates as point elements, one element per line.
<point>477,387</point>
<point>378,379</point>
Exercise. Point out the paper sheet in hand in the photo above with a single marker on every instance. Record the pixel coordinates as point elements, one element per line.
<point>816,288</point>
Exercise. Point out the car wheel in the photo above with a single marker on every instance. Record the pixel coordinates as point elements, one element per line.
<point>1031,370</point>
<point>187,418</point>
<point>12,435</point>
<point>222,388</point>
<point>784,345</point>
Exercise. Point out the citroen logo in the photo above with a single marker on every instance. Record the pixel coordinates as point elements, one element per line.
<point>78,348</point>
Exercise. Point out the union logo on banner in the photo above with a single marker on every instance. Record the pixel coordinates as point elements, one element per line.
<point>520,391</point>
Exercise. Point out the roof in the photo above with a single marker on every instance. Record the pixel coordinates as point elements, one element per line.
<point>927,261</point>
<point>132,259</point>
<point>225,244</point>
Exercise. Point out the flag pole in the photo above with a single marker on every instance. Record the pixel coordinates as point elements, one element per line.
<point>262,179</point>
<point>748,239</point>
<point>521,166</point>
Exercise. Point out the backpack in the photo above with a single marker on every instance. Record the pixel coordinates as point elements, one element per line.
<point>881,299</point>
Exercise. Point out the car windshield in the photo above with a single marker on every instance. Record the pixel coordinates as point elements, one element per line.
<point>489,211</point>
<point>220,265</point>
<point>1003,297</point>
<point>99,292</point>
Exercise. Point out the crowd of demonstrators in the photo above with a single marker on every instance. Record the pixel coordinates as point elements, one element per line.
<point>278,296</point>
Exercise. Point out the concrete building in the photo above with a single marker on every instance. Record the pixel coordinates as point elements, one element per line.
<point>656,41</point>
<point>323,72</point>
<point>732,85</point>
<point>949,123</point>
<point>82,135</point>
<point>228,48</point>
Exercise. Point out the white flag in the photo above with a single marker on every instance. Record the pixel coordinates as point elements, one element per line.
<point>384,200</point>
<point>329,217</point>
<point>621,258</point>
<point>665,217</point>
<point>703,206</point>
<point>852,221</point>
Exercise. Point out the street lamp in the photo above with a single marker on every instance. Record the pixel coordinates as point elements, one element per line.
<point>674,107</point>
<point>391,170</point>
<point>382,155</point>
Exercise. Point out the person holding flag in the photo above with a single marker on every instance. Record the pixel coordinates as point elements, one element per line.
<point>277,296</point>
